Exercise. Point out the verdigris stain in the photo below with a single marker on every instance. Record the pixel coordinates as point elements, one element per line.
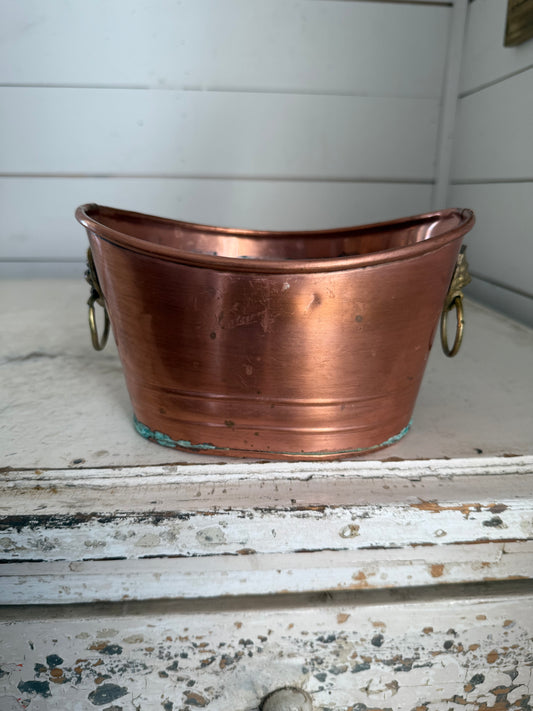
<point>165,440</point>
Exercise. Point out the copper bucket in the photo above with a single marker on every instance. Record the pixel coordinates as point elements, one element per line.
<point>280,345</point>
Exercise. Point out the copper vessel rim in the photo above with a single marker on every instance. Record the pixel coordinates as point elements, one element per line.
<point>85,216</point>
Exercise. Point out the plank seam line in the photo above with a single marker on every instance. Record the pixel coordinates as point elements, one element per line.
<point>431,3</point>
<point>228,177</point>
<point>491,181</point>
<point>494,82</point>
<point>502,285</point>
<point>39,260</point>
<point>219,89</point>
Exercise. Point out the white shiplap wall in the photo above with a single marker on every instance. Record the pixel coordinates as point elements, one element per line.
<point>493,160</point>
<point>279,114</point>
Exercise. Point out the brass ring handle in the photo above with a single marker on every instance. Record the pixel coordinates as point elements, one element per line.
<point>454,300</point>
<point>96,297</point>
<point>459,312</point>
<point>98,343</point>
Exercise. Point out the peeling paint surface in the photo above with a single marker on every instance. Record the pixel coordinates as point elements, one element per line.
<point>54,537</point>
<point>147,554</point>
<point>424,656</point>
<point>115,555</point>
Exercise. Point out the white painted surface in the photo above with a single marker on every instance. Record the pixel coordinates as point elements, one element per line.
<point>38,213</point>
<point>493,160</point>
<point>262,550</point>
<point>392,481</point>
<point>374,48</point>
<point>505,301</point>
<point>88,414</point>
<point>90,490</point>
<point>267,574</point>
<point>448,109</point>
<point>297,89</point>
<point>493,133</point>
<point>266,532</point>
<point>177,133</point>
<point>486,59</point>
<point>500,246</point>
<point>454,654</point>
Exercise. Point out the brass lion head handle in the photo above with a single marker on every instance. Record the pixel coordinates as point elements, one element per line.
<point>96,297</point>
<point>454,300</point>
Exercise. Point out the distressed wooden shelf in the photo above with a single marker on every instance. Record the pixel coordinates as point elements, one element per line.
<point>396,580</point>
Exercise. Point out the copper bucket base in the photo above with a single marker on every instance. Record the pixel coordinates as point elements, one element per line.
<point>294,345</point>
<point>207,448</point>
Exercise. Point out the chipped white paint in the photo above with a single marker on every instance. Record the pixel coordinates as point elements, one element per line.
<point>92,513</point>
<point>216,532</point>
<point>233,533</point>
<point>347,654</point>
<point>269,573</point>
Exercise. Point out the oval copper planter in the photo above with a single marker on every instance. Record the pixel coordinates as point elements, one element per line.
<point>294,345</point>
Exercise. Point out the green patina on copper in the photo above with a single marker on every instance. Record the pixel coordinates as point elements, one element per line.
<point>166,441</point>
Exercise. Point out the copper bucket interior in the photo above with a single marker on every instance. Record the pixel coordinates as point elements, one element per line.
<point>279,345</point>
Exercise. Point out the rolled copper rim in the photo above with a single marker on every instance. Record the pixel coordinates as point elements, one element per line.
<point>84,215</point>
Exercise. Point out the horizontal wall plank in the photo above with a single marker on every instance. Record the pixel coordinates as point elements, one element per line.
<point>282,45</point>
<point>38,213</point>
<point>493,132</point>
<point>486,60</point>
<point>499,246</point>
<point>147,132</point>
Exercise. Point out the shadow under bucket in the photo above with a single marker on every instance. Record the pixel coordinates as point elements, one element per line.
<point>279,345</point>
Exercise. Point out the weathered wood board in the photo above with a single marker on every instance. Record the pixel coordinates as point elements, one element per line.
<point>399,581</point>
<point>350,653</point>
<point>130,535</point>
<point>477,406</point>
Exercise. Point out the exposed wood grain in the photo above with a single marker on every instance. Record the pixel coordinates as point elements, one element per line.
<point>519,24</point>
